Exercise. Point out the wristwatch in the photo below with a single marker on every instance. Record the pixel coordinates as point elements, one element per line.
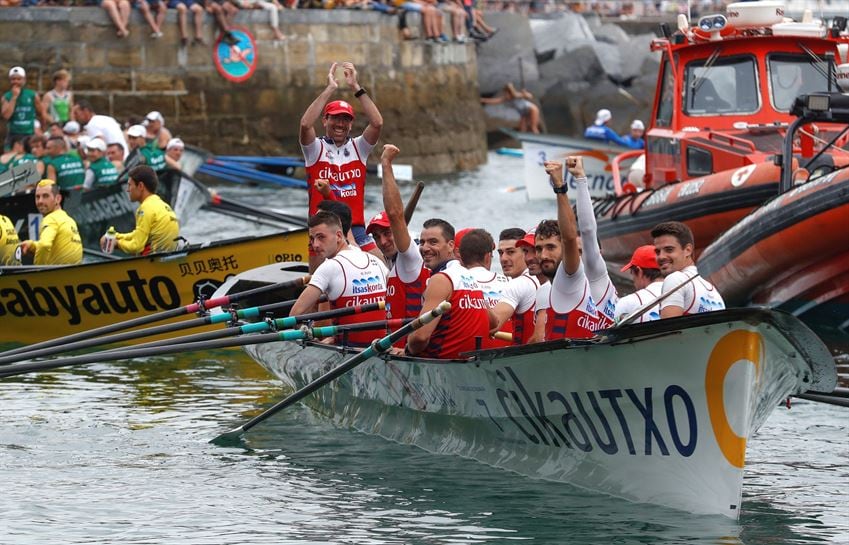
<point>561,190</point>
<point>361,92</point>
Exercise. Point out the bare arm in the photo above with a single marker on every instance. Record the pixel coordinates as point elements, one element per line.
<point>375,120</point>
<point>40,112</point>
<point>306,301</point>
<point>498,315</point>
<point>671,312</point>
<point>307,132</point>
<point>47,101</point>
<point>392,200</point>
<point>566,220</point>
<point>438,289</point>
<point>539,327</point>
<point>8,107</point>
<point>493,100</point>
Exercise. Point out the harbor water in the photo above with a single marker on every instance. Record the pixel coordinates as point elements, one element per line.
<point>120,453</point>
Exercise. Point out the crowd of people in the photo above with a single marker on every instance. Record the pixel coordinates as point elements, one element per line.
<point>75,148</point>
<point>554,285</point>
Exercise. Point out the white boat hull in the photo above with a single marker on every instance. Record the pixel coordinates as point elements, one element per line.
<point>659,413</point>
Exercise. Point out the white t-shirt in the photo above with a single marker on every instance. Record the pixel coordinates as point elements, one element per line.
<point>330,276</point>
<point>521,292</point>
<point>492,284</point>
<point>697,296</point>
<point>408,264</point>
<point>543,297</point>
<point>632,302</point>
<point>106,128</point>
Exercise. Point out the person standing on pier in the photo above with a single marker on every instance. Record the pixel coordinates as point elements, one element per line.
<point>337,157</point>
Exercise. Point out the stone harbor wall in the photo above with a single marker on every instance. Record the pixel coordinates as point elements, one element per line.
<point>574,65</point>
<point>427,93</point>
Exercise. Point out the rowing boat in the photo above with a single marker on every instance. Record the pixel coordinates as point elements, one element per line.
<point>656,413</point>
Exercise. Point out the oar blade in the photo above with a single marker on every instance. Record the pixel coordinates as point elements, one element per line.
<point>232,438</point>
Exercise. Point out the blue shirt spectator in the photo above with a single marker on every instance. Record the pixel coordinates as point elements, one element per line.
<point>600,131</point>
<point>636,139</point>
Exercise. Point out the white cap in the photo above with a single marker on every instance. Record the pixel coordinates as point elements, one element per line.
<point>155,116</point>
<point>71,127</point>
<point>637,124</point>
<point>96,143</point>
<point>17,71</point>
<point>175,143</point>
<point>602,116</point>
<point>137,131</point>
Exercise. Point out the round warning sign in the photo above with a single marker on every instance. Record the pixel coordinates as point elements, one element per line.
<point>235,54</point>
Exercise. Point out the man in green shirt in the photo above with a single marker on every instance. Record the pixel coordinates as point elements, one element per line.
<point>141,153</point>
<point>101,172</point>
<point>65,168</point>
<point>20,106</point>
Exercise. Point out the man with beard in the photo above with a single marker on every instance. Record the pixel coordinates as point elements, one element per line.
<point>674,248</point>
<point>407,275</point>
<point>453,333</point>
<point>59,240</point>
<point>337,157</point>
<point>348,276</point>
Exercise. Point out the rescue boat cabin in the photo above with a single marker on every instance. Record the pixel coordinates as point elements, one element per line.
<point>726,86</point>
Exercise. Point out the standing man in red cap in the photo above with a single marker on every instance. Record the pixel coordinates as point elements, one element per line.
<point>645,273</point>
<point>336,157</point>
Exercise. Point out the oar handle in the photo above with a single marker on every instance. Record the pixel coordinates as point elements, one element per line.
<point>503,336</point>
<point>377,347</point>
<point>414,200</point>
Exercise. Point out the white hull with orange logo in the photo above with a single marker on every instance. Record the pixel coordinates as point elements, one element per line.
<point>656,413</point>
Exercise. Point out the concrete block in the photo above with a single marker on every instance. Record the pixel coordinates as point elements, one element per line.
<point>124,58</point>
<point>412,54</point>
<point>102,81</point>
<point>138,104</point>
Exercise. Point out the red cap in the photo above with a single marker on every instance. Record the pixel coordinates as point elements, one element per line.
<point>338,107</point>
<point>528,240</point>
<point>644,258</point>
<point>458,236</point>
<point>380,220</point>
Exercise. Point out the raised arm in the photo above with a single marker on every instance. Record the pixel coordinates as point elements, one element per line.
<point>313,112</point>
<point>375,120</point>
<point>392,200</point>
<point>593,261</point>
<point>565,219</point>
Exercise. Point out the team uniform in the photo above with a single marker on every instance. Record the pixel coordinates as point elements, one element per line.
<point>100,173</point>
<point>467,319</point>
<point>352,278</point>
<point>406,283</point>
<point>571,312</point>
<point>70,171</point>
<point>492,285</point>
<point>697,296</point>
<point>58,241</point>
<point>630,303</point>
<point>23,118</point>
<point>9,242</point>
<point>345,169</point>
<point>601,287</point>
<point>157,229</point>
<point>521,294</point>
<point>60,106</point>
<point>154,158</point>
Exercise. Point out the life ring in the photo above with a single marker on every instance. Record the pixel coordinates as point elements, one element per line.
<point>704,36</point>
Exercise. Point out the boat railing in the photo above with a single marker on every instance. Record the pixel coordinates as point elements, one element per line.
<point>732,141</point>
<point>618,187</point>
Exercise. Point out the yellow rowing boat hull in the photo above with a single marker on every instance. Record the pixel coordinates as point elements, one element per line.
<point>37,304</point>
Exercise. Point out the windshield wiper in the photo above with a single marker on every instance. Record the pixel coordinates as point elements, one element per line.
<point>699,81</point>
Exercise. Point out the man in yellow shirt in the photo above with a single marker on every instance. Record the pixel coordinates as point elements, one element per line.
<point>157,228</point>
<point>59,240</point>
<point>8,242</point>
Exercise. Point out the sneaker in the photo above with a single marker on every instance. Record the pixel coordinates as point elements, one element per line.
<point>442,39</point>
<point>461,39</point>
<point>494,30</point>
<point>155,35</point>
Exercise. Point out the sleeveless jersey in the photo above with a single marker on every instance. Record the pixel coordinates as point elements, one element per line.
<point>697,296</point>
<point>467,319</point>
<point>404,299</point>
<point>154,158</point>
<point>628,304</point>
<point>23,118</point>
<point>577,322</point>
<point>365,282</point>
<point>104,171</point>
<point>345,170</point>
<point>523,318</point>
<point>70,171</point>
<point>607,306</point>
<point>60,106</point>
<point>493,285</point>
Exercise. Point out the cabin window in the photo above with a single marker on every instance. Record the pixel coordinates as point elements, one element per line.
<point>699,162</point>
<point>664,103</point>
<point>726,85</point>
<point>794,75</point>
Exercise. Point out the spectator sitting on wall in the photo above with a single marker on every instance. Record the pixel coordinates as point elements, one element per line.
<point>119,14</point>
<point>183,8</point>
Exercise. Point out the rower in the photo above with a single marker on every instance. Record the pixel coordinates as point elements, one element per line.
<point>453,333</point>
<point>348,276</point>
<point>407,275</point>
<point>476,249</point>
<point>571,312</point>
<point>674,247</point>
<point>645,273</point>
<point>65,168</point>
<point>511,257</point>
<point>157,228</point>
<point>59,240</point>
<point>519,298</point>
<point>141,153</point>
<point>100,172</point>
<point>344,212</point>
<point>9,243</point>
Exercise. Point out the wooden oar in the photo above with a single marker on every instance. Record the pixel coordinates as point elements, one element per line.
<point>377,347</point>
<point>251,313</point>
<point>244,340</point>
<point>414,200</point>
<point>261,327</point>
<point>159,316</point>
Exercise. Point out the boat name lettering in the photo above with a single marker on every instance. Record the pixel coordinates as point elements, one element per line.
<point>282,258</point>
<point>691,188</point>
<point>211,265</point>
<point>119,297</point>
<point>612,411</point>
<point>104,209</point>
<point>659,196</point>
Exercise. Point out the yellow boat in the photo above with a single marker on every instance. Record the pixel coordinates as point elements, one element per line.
<point>40,303</point>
